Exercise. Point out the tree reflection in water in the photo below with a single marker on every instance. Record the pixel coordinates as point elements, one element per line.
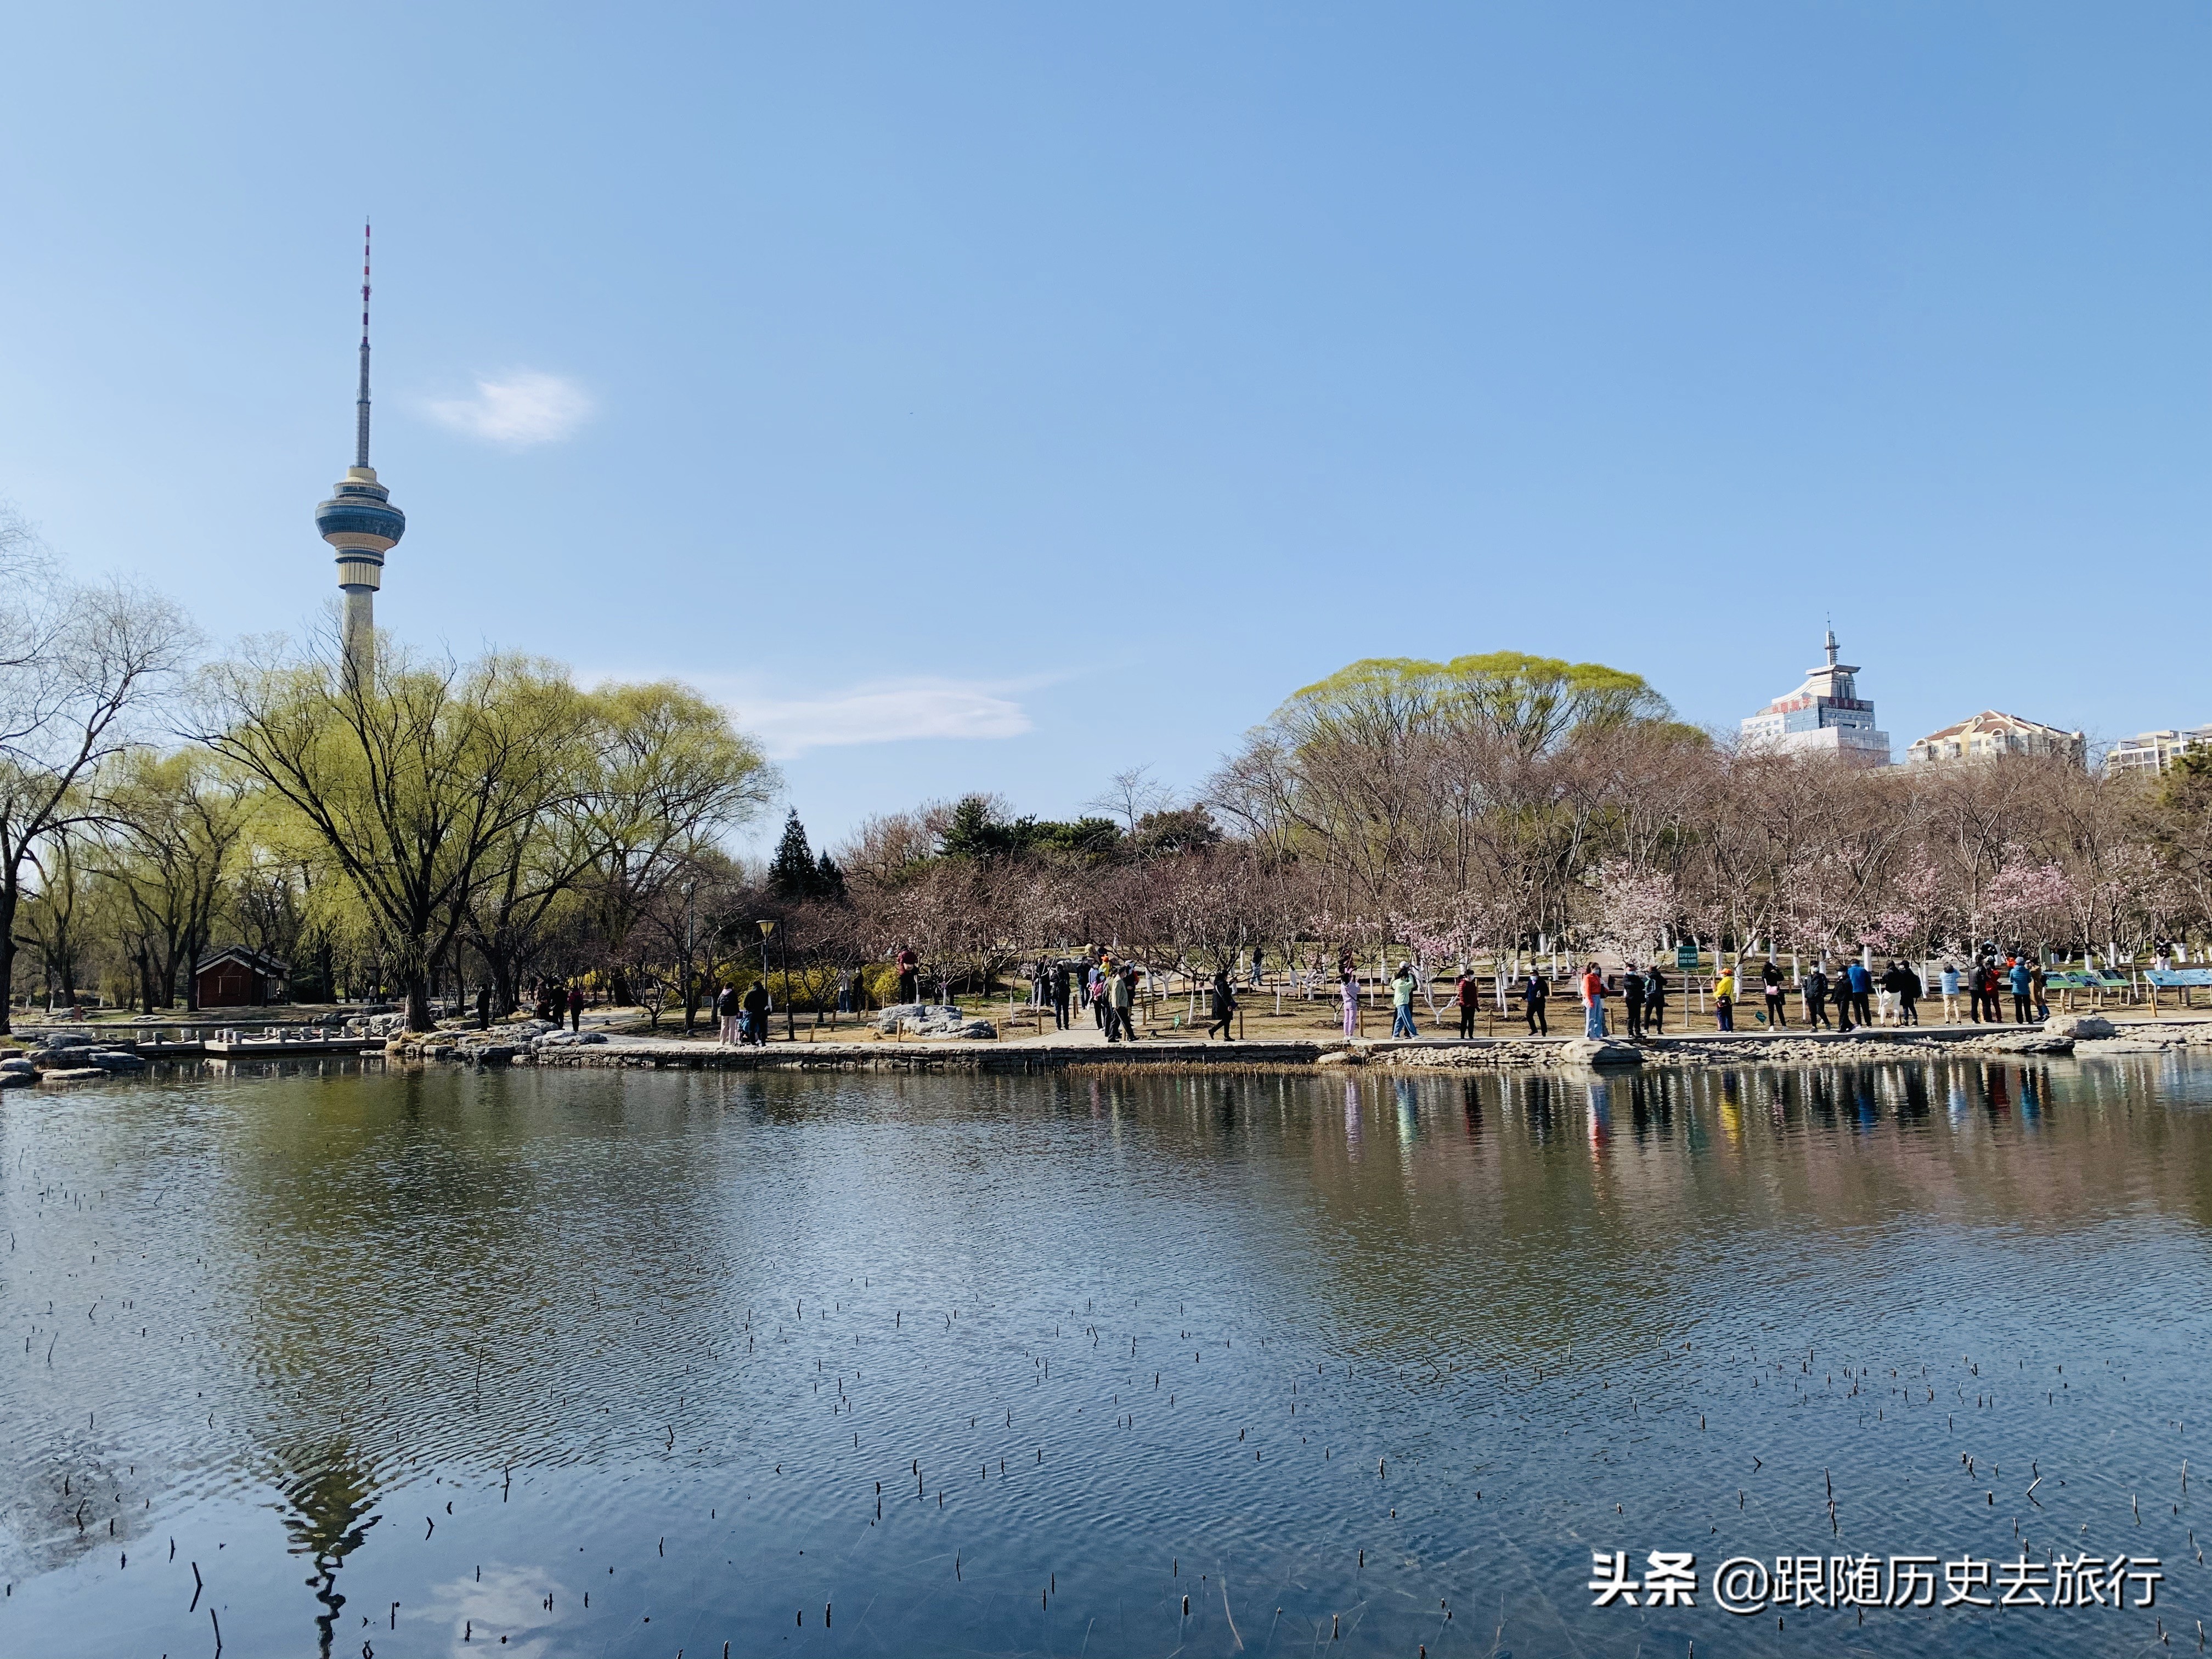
<point>713,1313</point>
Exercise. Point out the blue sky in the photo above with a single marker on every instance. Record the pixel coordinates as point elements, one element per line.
<point>999,397</point>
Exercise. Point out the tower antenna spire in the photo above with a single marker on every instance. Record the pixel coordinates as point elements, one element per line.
<point>360,522</point>
<point>360,408</point>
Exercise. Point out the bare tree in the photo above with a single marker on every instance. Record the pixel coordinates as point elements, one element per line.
<point>1130,796</point>
<point>81,668</point>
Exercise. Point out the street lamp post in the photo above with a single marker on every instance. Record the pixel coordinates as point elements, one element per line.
<point>767,927</point>
<point>690,944</point>
<point>790,1022</point>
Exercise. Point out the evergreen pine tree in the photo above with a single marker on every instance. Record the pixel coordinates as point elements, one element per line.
<point>830,880</point>
<point>792,876</point>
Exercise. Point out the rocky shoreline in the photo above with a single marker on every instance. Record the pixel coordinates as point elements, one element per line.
<point>61,1059</point>
<point>527,1043</point>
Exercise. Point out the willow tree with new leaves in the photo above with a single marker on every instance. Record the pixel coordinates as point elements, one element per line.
<point>59,919</point>
<point>174,828</point>
<point>1489,776</point>
<point>288,900</point>
<point>407,777</point>
<point>531,876</point>
<point>673,775</point>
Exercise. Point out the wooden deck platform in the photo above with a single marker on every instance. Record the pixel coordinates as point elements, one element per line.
<point>286,1043</point>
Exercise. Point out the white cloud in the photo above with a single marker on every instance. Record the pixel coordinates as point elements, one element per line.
<point>499,1602</point>
<point>875,711</point>
<point>884,713</point>
<point>517,410</point>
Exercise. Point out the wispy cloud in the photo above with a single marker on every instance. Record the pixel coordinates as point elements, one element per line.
<point>517,410</point>
<point>891,712</point>
<point>904,710</point>
<point>510,1601</point>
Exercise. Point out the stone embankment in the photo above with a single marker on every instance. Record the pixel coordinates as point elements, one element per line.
<point>530,1042</point>
<point>68,1058</point>
<point>596,1049</point>
<point>925,1038</point>
<point>2084,1035</point>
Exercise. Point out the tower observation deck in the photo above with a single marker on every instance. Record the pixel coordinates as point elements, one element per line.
<point>359,521</point>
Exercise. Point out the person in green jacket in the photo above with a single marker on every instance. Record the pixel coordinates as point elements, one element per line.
<point>1401,1001</point>
<point>1120,997</point>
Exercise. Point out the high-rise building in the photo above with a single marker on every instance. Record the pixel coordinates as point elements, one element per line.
<point>2156,751</point>
<point>1989,735</point>
<point>359,520</point>
<point>1824,716</point>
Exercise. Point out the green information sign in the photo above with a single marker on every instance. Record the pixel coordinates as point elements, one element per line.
<point>1685,958</point>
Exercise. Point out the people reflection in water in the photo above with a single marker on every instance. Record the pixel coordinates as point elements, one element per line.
<point>1541,1127</point>
<point>1600,1115</point>
<point>1916,1093</point>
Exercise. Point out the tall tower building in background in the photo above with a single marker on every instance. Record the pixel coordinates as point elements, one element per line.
<point>359,519</point>
<point>1824,716</point>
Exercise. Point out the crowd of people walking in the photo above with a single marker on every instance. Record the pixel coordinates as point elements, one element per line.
<point>1109,988</point>
<point>1851,995</point>
<point>1856,995</point>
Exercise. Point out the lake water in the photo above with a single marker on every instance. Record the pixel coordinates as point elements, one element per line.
<point>566,1362</point>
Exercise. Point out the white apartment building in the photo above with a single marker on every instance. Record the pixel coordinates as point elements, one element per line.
<point>1991,734</point>
<point>2155,751</point>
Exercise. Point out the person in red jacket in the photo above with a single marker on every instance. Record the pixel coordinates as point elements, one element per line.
<point>1467,995</point>
<point>1593,1002</point>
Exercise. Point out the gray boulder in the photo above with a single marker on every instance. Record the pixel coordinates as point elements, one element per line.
<point>1599,1051</point>
<point>14,1079</point>
<point>932,1019</point>
<point>905,1016</point>
<point>2078,1026</point>
<point>114,1060</point>
<point>2126,1045</point>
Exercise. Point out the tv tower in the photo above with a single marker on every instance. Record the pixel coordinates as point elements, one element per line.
<point>359,519</point>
